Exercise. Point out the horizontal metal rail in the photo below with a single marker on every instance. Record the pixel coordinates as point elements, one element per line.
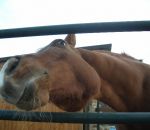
<point>76,28</point>
<point>91,118</point>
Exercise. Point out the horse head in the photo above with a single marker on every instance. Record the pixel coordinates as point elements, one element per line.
<point>57,73</point>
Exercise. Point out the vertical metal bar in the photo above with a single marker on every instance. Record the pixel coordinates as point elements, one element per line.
<point>86,110</point>
<point>97,107</point>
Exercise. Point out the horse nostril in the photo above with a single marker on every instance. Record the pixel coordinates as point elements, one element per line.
<point>12,65</point>
<point>45,73</point>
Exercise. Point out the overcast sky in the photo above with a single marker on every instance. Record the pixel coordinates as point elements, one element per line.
<point>25,13</point>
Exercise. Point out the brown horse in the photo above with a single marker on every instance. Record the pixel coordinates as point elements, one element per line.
<point>70,77</point>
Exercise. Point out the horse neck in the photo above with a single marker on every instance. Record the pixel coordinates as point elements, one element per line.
<point>117,79</point>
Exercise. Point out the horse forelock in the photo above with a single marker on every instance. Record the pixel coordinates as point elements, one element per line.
<point>55,43</point>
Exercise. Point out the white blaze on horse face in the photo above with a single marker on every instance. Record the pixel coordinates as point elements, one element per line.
<point>1,78</point>
<point>1,81</point>
<point>2,74</point>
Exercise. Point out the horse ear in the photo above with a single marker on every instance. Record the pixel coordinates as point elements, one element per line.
<point>71,39</point>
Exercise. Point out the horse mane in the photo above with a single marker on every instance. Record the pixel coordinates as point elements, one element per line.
<point>128,56</point>
<point>122,55</point>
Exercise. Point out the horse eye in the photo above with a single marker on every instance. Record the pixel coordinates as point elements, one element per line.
<point>61,42</point>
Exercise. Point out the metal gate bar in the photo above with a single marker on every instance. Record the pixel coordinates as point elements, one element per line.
<point>66,117</point>
<point>76,28</point>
